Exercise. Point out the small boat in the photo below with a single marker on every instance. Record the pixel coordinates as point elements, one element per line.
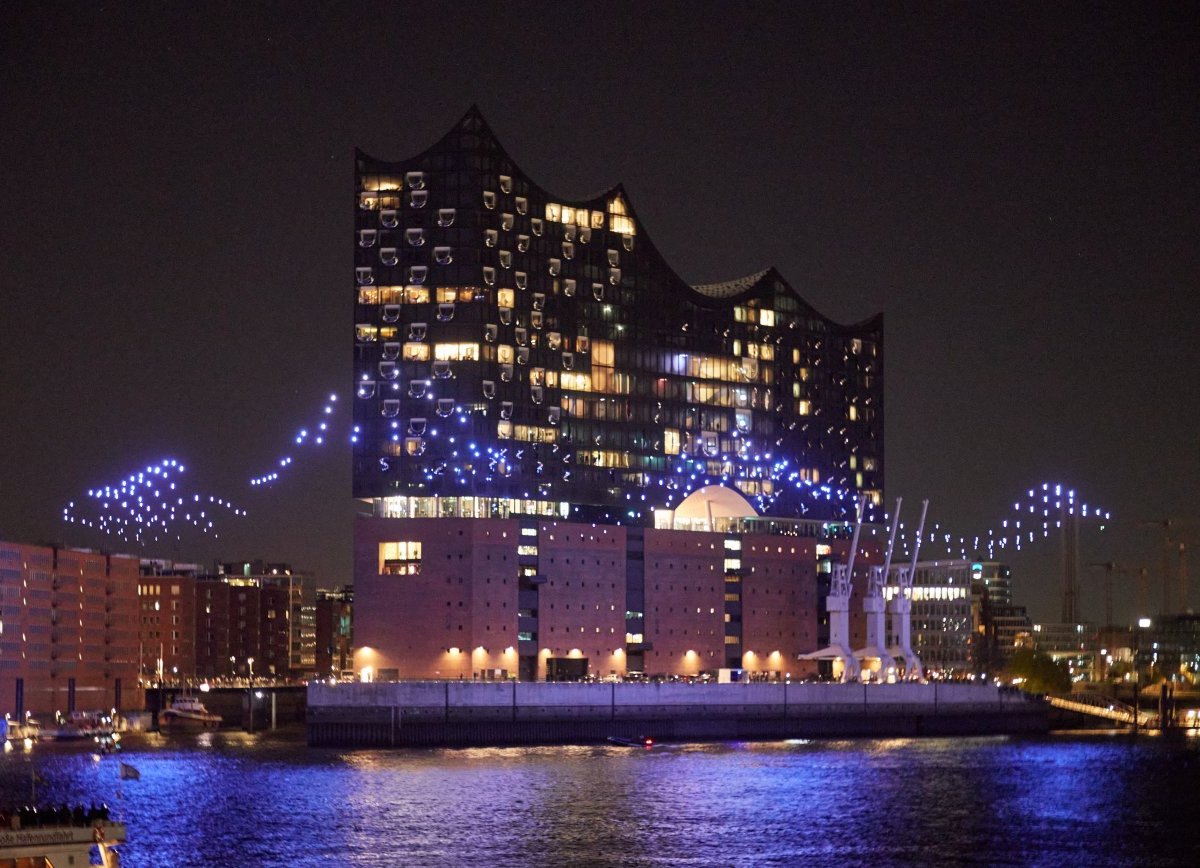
<point>640,741</point>
<point>187,714</point>
<point>79,726</point>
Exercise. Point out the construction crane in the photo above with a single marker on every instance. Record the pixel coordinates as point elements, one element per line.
<point>1110,567</point>
<point>1172,544</point>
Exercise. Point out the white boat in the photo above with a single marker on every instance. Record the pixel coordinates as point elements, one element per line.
<point>187,714</point>
<point>61,844</point>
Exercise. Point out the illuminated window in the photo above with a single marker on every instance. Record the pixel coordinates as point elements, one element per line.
<point>416,352</point>
<point>416,295</point>
<point>456,352</point>
<point>766,317</point>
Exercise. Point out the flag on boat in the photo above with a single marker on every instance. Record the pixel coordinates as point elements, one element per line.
<point>128,772</point>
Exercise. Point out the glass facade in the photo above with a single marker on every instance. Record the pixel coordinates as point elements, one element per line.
<point>517,345</point>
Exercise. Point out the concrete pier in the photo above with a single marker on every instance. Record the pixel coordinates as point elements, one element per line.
<point>468,713</point>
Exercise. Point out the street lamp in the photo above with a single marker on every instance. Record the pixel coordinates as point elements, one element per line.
<point>250,665</point>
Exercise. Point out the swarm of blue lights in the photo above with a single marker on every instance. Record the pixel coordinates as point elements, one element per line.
<point>149,505</point>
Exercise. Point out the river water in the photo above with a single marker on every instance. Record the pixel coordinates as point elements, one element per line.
<point>231,799</point>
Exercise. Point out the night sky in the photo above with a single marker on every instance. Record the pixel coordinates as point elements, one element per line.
<point>1014,186</point>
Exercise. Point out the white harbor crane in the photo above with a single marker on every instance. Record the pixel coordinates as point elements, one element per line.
<point>837,604</point>
<point>901,608</point>
<point>874,607</point>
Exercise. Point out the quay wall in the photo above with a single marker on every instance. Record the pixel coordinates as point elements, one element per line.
<point>470,713</point>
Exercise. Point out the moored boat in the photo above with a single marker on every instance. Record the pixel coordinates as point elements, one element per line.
<point>187,714</point>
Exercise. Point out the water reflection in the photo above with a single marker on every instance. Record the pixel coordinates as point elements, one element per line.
<point>232,799</point>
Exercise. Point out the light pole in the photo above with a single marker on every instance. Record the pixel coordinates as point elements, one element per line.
<point>250,666</point>
<point>1142,624</point>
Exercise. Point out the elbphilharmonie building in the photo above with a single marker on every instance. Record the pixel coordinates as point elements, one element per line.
<point>527,359</point>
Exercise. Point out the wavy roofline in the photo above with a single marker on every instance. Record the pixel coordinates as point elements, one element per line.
<point>727,293</point>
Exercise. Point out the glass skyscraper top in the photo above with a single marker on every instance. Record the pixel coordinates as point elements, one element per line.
<point>520,352</point>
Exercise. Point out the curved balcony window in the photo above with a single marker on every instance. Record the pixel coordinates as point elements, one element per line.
<point>415,180</point>
<point>418,198</point>
<point>598,291</point>
<point>489,332</point>
<point>366,237</point>
<point>506,222</point>
<point>522,336</point>
<point>506,183</point>
<point>506,372</point>
<point>441,370</point>
<point>569,287</point>
<point>417,331</point>
<point>416,426</point>
<point>445,406</point>
<point>414,446</point>
<point>627,242</point>
<point>489,199</point>
<point>582,344</point>
<point>489,389</point>
<point>555,266</point>
<point>568,250</point>
<point>416,388</point>
<point>366,389</point>
<point>445,312</point>
<point>536,226</point>
<point>568,233</point>
<point>389,219</point>
<point>536,394</point>
<point>364,275</point>
<point>506,409</point>
<point>443,255</point>
<point>391,350</point>
<point>415,237</point>
<point>539,300</point>
<point>523,243</point>
<point>568,361</point>
<point>387,370</point>
<point>418,273</point>
<point>522,280</point>
<point>446,216</point>
<point>391,407</point>
<point>522,355</point>
<point>522,205</point>
<point>391,313</point>
<point>553,415</point>
<point>614,276</point>
<point>553,340</point>
<point>585,235</point>
<point>489,275</point>
<point>490,237</point>
<point>535,320</point>
<point>614,258</point>
<point>387,255</point>
<point>506,259</point>
<point>506,315</point>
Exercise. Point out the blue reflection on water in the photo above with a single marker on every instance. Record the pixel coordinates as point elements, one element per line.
<point>239,800</point>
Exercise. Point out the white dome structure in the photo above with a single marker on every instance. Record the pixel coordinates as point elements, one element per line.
<point>704,508</point>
